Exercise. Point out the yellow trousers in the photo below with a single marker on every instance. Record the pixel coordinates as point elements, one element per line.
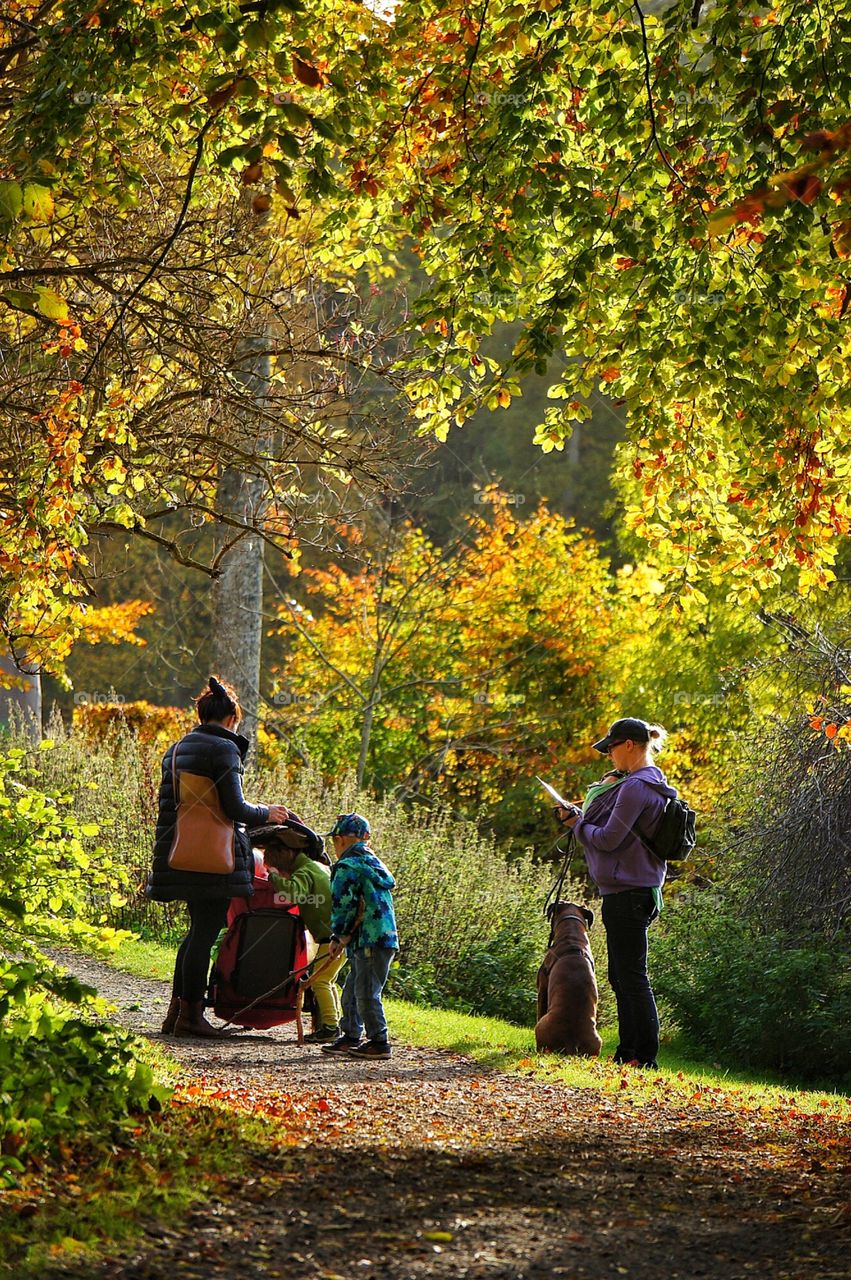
<point>325,988</point>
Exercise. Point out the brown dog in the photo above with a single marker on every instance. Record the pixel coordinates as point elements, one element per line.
<point>567,987</point>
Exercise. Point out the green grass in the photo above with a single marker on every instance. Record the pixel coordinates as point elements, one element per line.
<point>680,1078</point>
<point>145,959</point>
<point>506,1047</point>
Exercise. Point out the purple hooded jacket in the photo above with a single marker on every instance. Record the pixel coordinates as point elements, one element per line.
<point>616,858</point>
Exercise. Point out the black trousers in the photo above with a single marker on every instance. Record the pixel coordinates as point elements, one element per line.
<point>192,965</point>
<point>627,917</point>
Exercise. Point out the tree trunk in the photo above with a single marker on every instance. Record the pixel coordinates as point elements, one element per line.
<point>365,734</point>
<point>238,592</point>
<point>22,703</point>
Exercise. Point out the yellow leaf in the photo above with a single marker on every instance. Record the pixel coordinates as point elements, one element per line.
<point>38,203</point>
<point>52,305</point>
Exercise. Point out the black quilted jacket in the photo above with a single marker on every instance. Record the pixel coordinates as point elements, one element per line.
<point>214,752</point>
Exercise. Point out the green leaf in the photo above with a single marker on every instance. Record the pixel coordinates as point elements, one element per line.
<point>11,202</point>
<point>296,114</point>
<point>289,144</point>
<point>227,157</point>
<point>247,87</point>
<point>21,300</point>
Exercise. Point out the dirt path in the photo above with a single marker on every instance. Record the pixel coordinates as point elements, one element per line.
<point>429,1166</point>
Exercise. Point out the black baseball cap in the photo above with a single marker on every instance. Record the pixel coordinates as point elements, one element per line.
<point>621,730</point>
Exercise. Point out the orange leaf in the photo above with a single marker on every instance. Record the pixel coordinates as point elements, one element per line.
<point>610,375</point>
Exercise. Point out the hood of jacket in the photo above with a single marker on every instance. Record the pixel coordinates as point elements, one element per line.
<point>655,778</point>
<point>372,866</point>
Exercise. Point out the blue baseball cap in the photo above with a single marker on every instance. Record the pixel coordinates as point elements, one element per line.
<point>350,824</point>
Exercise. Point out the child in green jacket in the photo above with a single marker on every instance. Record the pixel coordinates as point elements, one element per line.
<point>308,884</point>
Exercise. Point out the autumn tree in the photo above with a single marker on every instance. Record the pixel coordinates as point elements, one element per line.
<point>572,167</point>
<point>452,674</point>
<point>142,260</point>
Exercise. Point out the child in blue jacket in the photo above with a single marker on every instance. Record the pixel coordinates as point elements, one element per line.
<point>362,921</point>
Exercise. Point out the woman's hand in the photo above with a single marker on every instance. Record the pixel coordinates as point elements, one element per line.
<point>277,813</point>
<point>335,948</point>
<point>567,817</point>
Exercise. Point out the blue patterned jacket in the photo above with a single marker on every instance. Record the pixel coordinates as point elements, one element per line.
<point>357,874</point>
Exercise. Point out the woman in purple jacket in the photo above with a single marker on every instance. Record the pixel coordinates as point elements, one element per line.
<point>612,832</point>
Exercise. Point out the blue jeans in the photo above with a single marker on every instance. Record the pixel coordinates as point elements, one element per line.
<point>626,917</point>
<point>362,1007</point>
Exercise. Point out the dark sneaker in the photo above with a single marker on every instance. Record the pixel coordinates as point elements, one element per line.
<point>341,1045</point>
<point>323,1036</point>
<point>371,1049</point>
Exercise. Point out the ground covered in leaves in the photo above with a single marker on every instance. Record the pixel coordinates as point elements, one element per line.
<point>429,1166</point>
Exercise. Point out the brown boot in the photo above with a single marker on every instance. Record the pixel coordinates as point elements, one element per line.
<point>171,1016</point>
<point>191,1022</point>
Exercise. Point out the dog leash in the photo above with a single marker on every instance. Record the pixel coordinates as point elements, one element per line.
<point>554,895</point>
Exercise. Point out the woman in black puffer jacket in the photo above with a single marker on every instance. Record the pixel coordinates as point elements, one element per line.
<point>214,750</point>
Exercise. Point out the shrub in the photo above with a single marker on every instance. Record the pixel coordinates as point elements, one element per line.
<point>470,921</point>
<point>97,721</point>
<point>61,1068</point>
<point>752,996</point>
<point>113,780</point>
